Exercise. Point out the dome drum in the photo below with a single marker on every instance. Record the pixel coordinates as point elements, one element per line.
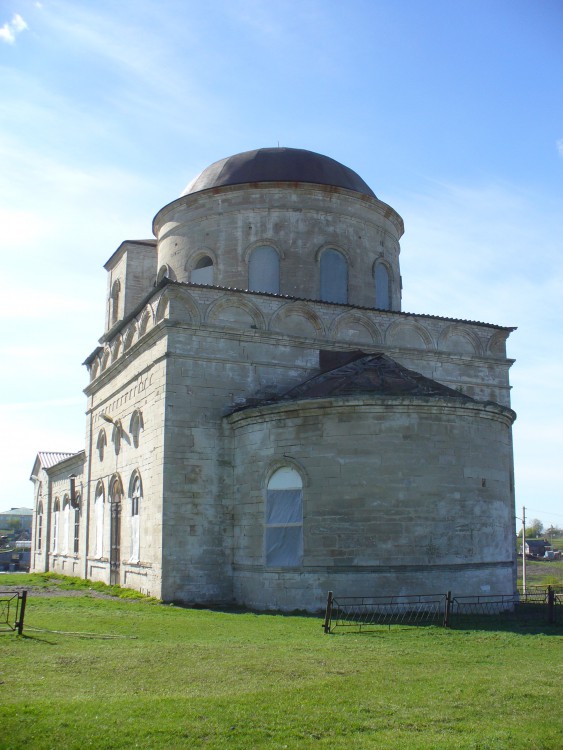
<point>298,221</point>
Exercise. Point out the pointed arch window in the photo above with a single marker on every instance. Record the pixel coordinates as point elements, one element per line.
<point>382,287</point>
<point>202,272</point>
<point>284,519</point>
<point>99,514</point>
<point>136,497</point>
<point>334,276</point>
<point>264,270</point>
<point>56,521</point>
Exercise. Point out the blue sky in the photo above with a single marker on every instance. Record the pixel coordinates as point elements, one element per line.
<point>451,111</point>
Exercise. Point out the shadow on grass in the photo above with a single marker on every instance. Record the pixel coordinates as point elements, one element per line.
<point>483,623</point>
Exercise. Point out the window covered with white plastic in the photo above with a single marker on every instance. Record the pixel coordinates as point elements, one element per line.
<point>264,270</point>
<point>334,276</point>
<point>284,519</point>
<point>202,273</point>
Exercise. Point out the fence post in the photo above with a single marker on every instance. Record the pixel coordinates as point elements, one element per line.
<point>19,623</point>
<point>328,612</point>
<point>550,605</point>
<point>447,609</point>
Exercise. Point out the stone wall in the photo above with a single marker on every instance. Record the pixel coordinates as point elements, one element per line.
<point>400,496</point>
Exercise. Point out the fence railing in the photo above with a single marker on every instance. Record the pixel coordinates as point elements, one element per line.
<point>12,611</point>
<point>367,612</point>
<point>364,613</point>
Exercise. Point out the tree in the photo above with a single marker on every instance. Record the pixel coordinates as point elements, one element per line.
<point>535,528</point>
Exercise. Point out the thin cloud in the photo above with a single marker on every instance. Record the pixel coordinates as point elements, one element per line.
<point>559,145</point>
<point>12,28</point>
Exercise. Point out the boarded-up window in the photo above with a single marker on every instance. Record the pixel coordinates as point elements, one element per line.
<point>382,287</point>
<point>264,270</point>
<point>334,277</point>
<point>284,519</point>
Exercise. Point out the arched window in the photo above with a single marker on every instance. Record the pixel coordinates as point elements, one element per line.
<point>56,520</point>
<point>334,276</point>
<point>202,272</point>
<point>136,496</point>
<point>264,270</point>
<point>76,544</point>
<point>284,519</point>
<point>165,272</point>
<point>99,514</point>
<point>66,519</point>
<point>39,526</point>
<point>382,287</point>
<point>114,302</point>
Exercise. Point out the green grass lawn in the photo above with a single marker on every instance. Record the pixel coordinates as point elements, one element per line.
<point>541,572</point>
<point>157,676</point>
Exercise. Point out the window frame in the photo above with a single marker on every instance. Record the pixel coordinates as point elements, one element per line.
<point>270,511</point>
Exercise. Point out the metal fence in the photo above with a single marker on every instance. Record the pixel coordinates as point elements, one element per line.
<point>366,613</point>
<point>361,614</point>
<point>12,611</point>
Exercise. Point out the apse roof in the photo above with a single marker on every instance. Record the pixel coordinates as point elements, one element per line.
<point>278,165</point>
<point>364,374</point>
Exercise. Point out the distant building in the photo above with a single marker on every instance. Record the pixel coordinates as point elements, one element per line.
<point>264,423</point>
<point>22,516</point>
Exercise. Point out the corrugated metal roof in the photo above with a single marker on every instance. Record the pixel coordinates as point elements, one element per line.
<point>372,374</point>
<point>17,512</point>
<point>51,458</point>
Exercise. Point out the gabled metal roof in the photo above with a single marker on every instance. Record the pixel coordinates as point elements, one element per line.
<point>51,458</point>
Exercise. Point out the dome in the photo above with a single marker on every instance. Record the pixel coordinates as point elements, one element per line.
<point>278,165</point>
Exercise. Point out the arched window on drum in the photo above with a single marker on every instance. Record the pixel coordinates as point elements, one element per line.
<point>284,519</point>
<point>334,276</point>
<point>264,270</point>
<point>202,272</point>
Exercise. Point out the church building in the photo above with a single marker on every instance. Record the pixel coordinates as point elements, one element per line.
<point>264,423</point>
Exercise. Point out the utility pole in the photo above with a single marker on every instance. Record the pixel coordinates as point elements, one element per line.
<point>524,550</point>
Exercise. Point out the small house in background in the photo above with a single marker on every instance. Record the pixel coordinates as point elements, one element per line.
<point>537,547</point>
